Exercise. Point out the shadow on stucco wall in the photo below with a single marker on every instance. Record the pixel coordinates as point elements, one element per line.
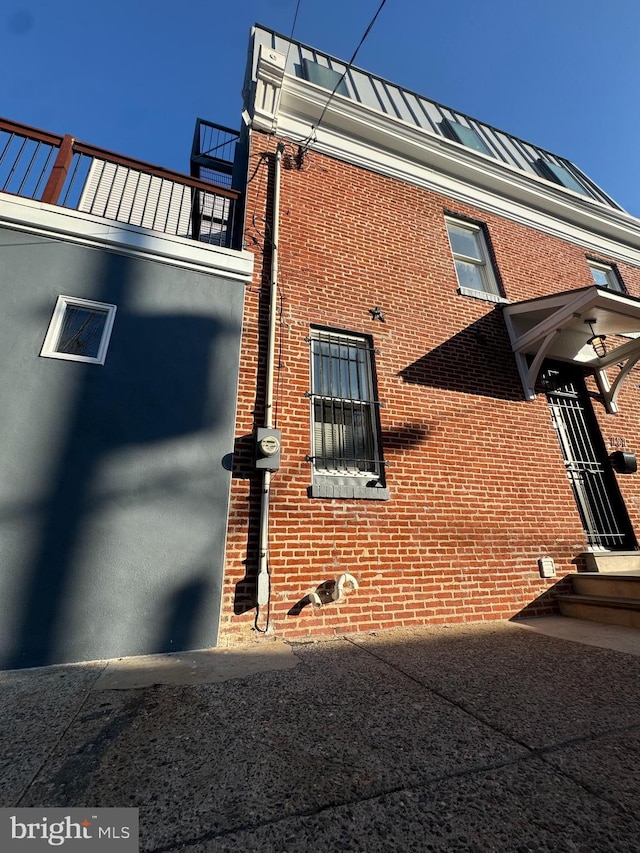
<point>112,557</point>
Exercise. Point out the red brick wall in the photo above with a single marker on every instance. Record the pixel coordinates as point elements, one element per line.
<point>478,486</point>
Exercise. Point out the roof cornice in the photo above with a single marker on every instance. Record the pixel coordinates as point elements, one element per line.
<point>355,133</point>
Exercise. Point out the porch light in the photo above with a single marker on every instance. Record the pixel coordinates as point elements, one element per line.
<point>597,341</point>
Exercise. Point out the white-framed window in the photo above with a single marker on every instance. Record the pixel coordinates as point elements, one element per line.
<point>346,452</point>
<point>79,330</point>
<point>476,276</point>
<point>605,275</point>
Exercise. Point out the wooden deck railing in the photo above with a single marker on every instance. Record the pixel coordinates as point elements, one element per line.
<point>62,171</point>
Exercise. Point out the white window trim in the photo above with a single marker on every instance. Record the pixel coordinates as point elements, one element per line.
<point>491,293</point>
<point>53,332</point>
<point>483,294</point>
<point>611,274</point>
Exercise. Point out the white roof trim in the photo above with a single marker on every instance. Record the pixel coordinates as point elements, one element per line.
<point>559,326</point>
<point>73,226</point>
<point>363,136</point>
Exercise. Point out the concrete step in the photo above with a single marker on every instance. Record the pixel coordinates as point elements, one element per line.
<point>612,561</point>
<point>601,608</point>
<point>611,585</point>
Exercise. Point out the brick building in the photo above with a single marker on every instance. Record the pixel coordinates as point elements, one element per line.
<point>423,336</point>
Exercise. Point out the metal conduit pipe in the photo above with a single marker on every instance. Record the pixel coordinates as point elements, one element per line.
<point>263,573</point>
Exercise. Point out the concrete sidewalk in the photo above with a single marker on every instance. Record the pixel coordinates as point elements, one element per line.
<point>493,737</point>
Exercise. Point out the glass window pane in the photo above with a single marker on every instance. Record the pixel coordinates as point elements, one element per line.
<point>81,331</point>
<point>470,275</point>
<point>464,242</point>
<point>323,76</point>
<point>600,277</point>
<point>469,137</point>
<point>343,436</point>
<point>563,176</point>
<point>340,370</point>
<point>344,366</point>
<point>606,277</point>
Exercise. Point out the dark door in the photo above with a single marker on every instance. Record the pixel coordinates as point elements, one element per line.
<point>602,510</point>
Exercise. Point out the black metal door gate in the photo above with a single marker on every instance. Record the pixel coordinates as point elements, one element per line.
<point>604,516</point>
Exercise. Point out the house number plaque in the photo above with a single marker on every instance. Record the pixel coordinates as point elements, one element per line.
<point>616,442</point>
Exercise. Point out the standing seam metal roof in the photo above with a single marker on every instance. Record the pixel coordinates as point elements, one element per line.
<point>431,116</point>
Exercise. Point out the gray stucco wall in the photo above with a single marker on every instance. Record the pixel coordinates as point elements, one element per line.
<point>113,485</point>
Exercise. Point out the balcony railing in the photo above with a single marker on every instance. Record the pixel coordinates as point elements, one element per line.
<point>62,171</point>
<point>213,152</point>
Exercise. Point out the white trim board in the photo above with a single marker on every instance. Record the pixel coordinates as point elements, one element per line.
<point>362,136</point>
<point>72,226</point>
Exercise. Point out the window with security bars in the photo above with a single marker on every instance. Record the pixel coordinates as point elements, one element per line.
<point>345,433</point>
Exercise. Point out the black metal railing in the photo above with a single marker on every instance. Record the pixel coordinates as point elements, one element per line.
<point>213,152</point>
<point>26,159</point>
<point>600,505</point>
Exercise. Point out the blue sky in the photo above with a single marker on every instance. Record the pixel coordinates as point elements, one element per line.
<point>133,75</point>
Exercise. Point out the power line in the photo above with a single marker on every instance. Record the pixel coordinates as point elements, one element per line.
<point>344,73</point>
<point>293,26</point>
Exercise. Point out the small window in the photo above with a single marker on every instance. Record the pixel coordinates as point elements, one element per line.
<point>604,275</point>
<point>79,330</point>
<point>476,276</point>
<point>346,451</point>
<point>323,76</point>
<point>560,175</point>
<point>465,135</point>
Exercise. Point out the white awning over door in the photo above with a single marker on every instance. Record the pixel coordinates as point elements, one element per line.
<point>561,326</point>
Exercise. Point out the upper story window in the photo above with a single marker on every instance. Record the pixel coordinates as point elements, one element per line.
<point>605,275</point>
<point>79,330</point>
<point>346,443</point>
<point>476,276</point>
<point>465,135</point>
<point>560,175</point>
<point>323,76</point>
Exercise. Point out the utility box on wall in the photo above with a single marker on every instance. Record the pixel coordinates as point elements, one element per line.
<point>268,443</point>
<point>547,567</point>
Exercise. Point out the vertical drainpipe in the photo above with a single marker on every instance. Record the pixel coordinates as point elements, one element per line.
<point>263,574</point>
